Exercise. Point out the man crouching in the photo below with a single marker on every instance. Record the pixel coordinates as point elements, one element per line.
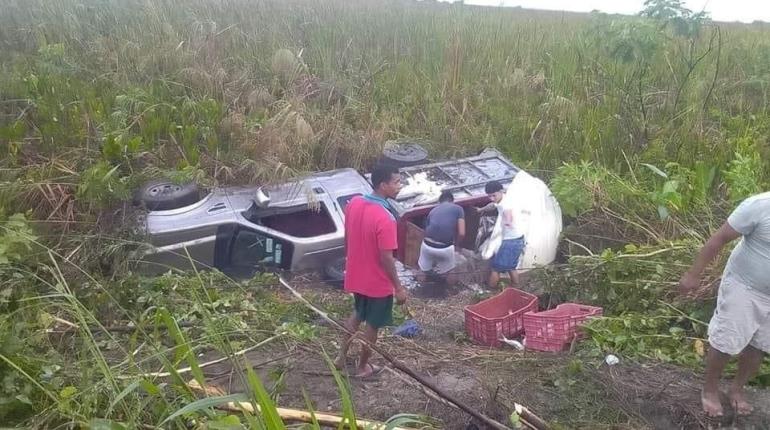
<point>444,227</point>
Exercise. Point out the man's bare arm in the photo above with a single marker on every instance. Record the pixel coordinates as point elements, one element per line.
<point>710,250</point>
<point>508,217</point>
<point>707,254</point>
<point>488,208</point>
<point>388,262</point>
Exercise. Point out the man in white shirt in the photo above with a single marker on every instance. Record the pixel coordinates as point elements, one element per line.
<point>741,322</point>
<point>506,259</point>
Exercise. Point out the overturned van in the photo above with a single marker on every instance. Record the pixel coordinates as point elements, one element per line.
<point>300,225</point>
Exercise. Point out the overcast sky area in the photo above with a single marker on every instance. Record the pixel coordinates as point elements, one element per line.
<point>720,10</point>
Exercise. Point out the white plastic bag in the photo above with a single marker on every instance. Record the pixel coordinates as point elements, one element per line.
<point>421,188</point>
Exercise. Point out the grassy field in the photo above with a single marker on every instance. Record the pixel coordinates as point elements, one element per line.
<point>648,128</point>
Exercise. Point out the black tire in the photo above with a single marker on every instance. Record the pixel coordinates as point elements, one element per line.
<point>163,195</point>
<point>334,272</point>
<point>403,154</point>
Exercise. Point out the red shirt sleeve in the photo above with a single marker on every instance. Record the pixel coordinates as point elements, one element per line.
<point>387,236</point>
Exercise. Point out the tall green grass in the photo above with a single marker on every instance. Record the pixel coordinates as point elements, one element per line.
<point>97,96</point>
<point>547,87</point>
<point>62,365</point>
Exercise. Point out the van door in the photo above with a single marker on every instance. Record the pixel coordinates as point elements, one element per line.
<point>413,242</point>
<point>242,251</point>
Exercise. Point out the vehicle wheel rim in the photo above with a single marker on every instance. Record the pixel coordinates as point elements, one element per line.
<point>164,189</point>
<point>404,151</point>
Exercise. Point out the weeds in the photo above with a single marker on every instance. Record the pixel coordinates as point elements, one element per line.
<point>103,383</point>
<point>654,125</point>
<point>210,95</point>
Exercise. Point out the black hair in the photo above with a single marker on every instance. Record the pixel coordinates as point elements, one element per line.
<point>446,196</point>
<point>493,187</point>
<point>381,174</point>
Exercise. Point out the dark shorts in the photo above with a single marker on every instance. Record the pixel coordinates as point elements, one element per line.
<point>377,312</point>
<point>507,257</point>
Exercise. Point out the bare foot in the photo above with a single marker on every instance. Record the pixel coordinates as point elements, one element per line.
<point>712,405</point>
<point>739,402</point>
<point>368,371</point>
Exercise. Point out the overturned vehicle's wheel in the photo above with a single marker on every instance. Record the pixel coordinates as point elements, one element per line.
<point>163,195</point>
<point>403,153</point>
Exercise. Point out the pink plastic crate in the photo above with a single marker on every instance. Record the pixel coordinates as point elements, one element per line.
<point>558,326</point>
<point>544,345</point>
<point>502,315</point>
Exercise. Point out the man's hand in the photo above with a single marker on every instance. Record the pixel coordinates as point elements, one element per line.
<point>400,295</point>
<point>689,284</point>
<point>691,280</point>
<point>486,208</point>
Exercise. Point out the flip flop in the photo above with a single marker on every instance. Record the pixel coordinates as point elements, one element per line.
<point>375,370</point>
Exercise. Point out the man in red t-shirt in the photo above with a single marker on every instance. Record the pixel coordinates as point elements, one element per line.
<point>370,269</point>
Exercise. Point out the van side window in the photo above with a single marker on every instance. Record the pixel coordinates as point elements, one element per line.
<point>344,200</point>
<point>253,249</point>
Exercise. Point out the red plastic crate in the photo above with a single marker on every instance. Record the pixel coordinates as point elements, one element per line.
<point>559,325</point>
<point>487,321</point>
<point>545,345</point>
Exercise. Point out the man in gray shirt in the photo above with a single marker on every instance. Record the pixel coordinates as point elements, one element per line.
<point>444,227</point>
<point>741,321</point>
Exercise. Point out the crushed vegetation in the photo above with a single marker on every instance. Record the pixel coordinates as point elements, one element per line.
<point>648,128</point>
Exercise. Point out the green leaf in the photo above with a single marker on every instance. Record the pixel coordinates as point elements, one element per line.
<point>253,421</point>
<point>24,399</point>
<point>268,410</point>
<point>670,187</point>
<point>68,392</point>
<point>348,412</point>
<point>655,170</point>
<point>229,422</point>
<point>205,404</point>
<point>676,331</point>
<point>183,345</point>
<point>128,390</point>
<point>309,405</point>
<point>104,424</point>
<point>134,144</point>
<point>408,420</point>
<point>150,388</point>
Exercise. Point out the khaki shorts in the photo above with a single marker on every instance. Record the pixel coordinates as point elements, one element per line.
<point>742,318</point>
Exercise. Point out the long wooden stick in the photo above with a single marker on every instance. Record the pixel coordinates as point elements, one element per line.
<point>528,417</point>
<point>294,415</point>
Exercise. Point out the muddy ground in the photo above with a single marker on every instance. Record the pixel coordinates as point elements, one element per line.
<point>569,390</point>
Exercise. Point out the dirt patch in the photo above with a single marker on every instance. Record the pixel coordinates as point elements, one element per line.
<point>571,391</point>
